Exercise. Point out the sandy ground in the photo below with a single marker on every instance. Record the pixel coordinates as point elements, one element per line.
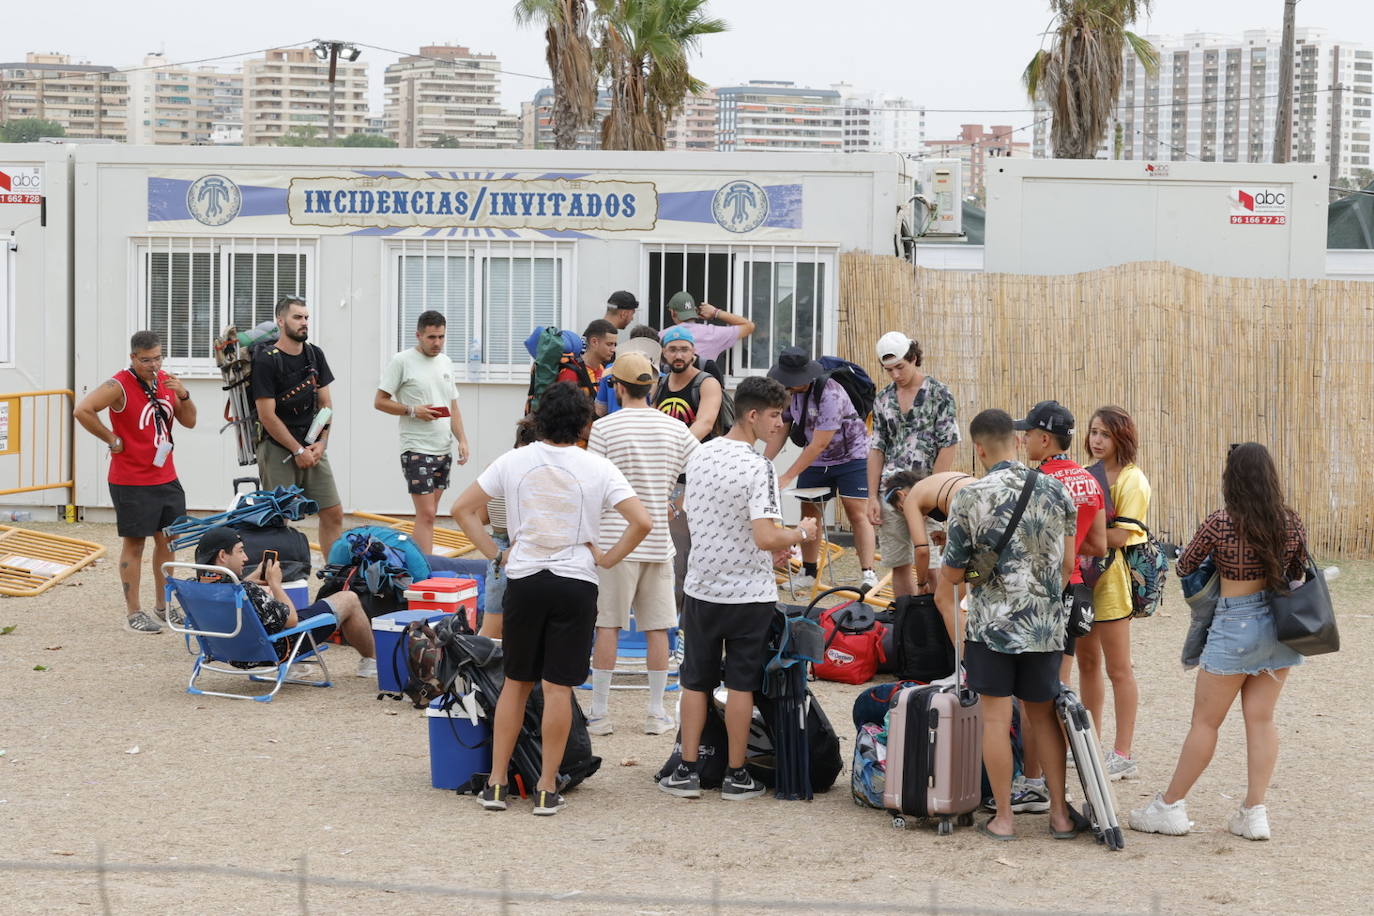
<point>343,779</point>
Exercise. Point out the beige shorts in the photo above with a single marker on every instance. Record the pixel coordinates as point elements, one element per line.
<point>894,539</point>
<point>647,587</point>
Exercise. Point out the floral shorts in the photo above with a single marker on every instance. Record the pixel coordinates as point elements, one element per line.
<point>425,473</point>
<point>1241,639</point>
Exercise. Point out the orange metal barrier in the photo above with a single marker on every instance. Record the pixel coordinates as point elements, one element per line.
<point>36,442</point>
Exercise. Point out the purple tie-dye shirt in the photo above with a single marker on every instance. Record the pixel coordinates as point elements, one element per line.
<point>836,412</point>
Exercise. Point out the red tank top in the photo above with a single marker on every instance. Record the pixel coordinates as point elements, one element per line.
<point>138,425</point>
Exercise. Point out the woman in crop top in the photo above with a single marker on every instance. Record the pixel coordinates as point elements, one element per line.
<point>1258,545</point>
<point>919,495</point>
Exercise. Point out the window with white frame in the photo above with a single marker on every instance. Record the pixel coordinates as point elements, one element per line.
<point>786,290</point>
<point>190,290</point>
<point>491,293</point>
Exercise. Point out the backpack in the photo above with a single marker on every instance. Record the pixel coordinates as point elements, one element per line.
<point>826,763</point>
<point>855,382</point>
<point>871,706</point>
<point>430,671</point>
<point>725,417</point>
<point>291,545</point>
<point>712,751</point>
<point>1146,567</point>
<point>377,564</point>
<point>868,772</point>
<point>920,641</point>
<point>551,357</point>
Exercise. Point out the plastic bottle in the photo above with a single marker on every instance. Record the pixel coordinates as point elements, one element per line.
<point>21,516</point>
<point>1332,573</point>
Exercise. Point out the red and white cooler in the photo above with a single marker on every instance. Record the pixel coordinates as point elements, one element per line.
<point>445,595</point>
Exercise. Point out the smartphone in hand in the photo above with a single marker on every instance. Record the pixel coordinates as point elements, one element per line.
<point>441,411</point>
<point>270,556</point>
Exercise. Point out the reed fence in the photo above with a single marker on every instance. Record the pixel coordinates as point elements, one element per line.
<point>1199,361</point>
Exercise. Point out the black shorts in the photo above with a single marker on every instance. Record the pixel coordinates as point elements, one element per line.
<point>1029,676</point>
<point>425,473</point>
<point>550,624</point>
<point>143,511</point>
<point>738,630</point>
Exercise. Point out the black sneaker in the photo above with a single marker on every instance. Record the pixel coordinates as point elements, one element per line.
<point>682,782</point>
<point>739,786</point>
<point>493,798</point>
<point>547,804</point>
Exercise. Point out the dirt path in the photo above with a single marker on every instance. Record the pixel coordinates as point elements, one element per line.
<point>344,779</point>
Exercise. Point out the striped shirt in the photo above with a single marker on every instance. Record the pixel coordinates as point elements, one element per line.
<point>496,511</point>
<point>651,449</point>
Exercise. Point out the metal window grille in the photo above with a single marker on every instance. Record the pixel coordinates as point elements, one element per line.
<point>190,289</point>
<point>492,294</point>
<point>786,290</point>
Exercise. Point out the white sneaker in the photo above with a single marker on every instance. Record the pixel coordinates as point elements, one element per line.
<point>1157,817</point>
<point>1251,823</point>
<point>658,725</point>
<point>803,583</point>
<point>1120,767</point>
<point>870,579</point>
<point>599,725</point>
<point>367,667</point>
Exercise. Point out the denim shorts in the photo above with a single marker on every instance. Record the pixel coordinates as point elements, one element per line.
<point>496,581</point>
<point>1241,639</point>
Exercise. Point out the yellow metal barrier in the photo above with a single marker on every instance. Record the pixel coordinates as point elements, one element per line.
<point>36,442</point>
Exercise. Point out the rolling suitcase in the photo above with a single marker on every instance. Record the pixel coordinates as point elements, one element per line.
<point>1087,758</point>
<point>935,756</point>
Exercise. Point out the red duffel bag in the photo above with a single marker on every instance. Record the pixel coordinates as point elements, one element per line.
<point>853,641</point>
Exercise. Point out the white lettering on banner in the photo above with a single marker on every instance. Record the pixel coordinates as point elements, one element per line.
<point>1259,206</point>
<point>558,204</point>
<point>21,184</point>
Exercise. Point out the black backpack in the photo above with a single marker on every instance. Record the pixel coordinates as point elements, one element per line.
<point>920,641</point>
<point>852,378</point>
<point>269,347</point>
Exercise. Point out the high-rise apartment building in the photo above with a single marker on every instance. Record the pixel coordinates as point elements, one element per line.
<point>288,89</point>
<point>975,147</point>
<point>179,105</point>
<point>1214,98</point>
<point>694,125</point>
<point>880,124</point>
<point>90,102</point>
<point>450,95</point>
<point>536,131</point>
<point>779,116</point>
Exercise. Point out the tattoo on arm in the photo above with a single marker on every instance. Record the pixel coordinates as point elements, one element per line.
<point>110,383</point>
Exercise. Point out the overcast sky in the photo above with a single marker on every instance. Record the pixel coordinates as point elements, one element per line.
<point>972,60</point>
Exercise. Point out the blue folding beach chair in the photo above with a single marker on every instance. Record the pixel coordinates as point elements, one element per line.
<point>227,630</point>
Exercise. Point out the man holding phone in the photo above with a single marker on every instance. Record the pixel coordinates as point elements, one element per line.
<point>144,403</point>
<point>417,386</point>
<point>223,546</point>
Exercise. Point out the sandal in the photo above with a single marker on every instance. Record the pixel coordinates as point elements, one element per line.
<point>1000,837</point>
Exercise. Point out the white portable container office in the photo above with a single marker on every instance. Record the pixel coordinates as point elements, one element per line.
<point>35,319</point>
<point>188,240</point>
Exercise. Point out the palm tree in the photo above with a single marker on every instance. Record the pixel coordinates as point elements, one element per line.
<point>1079,76</point>
<point>643,53</point>
<point>568,50</point>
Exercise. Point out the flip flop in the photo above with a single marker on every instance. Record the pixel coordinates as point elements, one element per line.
<point>1080,823</point>
<point>1000,837</point>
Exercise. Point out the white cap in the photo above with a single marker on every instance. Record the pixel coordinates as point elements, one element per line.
<point>893,346</point>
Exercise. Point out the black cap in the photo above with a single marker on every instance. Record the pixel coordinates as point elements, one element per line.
<point>794,368</point>
<point>221,537</point>
<point>1051,416</point>
<point>623,299</point>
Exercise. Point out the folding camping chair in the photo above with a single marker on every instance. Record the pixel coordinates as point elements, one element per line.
<point>227,630</point>
<point>632,657</point>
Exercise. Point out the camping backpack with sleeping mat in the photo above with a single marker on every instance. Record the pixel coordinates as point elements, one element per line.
<point>924,652</point>
<point>554,351</point>
<point>853,640</point>
<point>377,564</point>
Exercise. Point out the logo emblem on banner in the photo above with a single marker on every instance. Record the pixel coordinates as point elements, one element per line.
<point>214,200</point>
<point>740,206</point>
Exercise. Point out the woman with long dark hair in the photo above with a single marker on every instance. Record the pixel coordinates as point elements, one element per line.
<point>1258,545</point>
<point>1113,441</point>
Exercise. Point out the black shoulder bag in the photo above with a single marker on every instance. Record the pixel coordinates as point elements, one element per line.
<point>983,566</point>
<point>1304,619</point>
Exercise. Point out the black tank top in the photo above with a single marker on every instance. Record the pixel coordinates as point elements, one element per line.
<point>681,405</point>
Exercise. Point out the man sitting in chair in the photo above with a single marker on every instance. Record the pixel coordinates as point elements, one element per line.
<point>222,546</point>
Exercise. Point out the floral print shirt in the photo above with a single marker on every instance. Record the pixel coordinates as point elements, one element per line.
<point>914,439</point>
<point>1021,608</point>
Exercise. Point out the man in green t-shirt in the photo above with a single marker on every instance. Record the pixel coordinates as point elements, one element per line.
<point>417,386</point>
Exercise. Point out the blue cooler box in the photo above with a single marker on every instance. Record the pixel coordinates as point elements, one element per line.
<point>386,633</point>
<point>457,747</point>
<point>298,590</point>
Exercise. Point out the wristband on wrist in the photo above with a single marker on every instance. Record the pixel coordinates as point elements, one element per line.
<point>298,452</point>
<point>410,411</point>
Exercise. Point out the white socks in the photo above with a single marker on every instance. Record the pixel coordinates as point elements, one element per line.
<point>658,682</point>
<point>601,693</point>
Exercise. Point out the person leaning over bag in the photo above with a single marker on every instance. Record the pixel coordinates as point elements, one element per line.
<point>1113,441</point>
<point>1258,545</point>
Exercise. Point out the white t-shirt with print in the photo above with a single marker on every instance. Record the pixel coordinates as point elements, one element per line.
<point>416,380</point>
<point>554,498</point>
<point>728,486</point>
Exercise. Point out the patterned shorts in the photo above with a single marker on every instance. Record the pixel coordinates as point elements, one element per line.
<point>425,473</point>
